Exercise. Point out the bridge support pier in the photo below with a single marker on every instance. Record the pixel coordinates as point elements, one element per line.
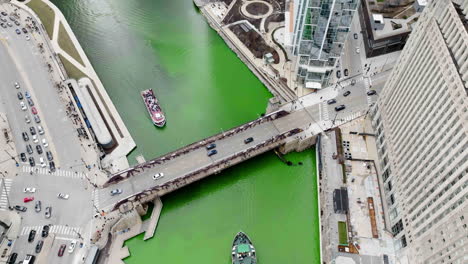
<point>298,144</point>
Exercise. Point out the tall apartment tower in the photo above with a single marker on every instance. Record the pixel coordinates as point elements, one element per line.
<point>320,28</point>
<point>421,122</point>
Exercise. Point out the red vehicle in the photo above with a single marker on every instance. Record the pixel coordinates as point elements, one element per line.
<point>61,250</point>
<point>34,110</point>
<point>28,199</point>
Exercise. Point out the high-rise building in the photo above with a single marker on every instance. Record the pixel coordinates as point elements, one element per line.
<point>421,122</point>
<point>320,28</point>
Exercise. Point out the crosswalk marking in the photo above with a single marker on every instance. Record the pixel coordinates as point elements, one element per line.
<point>96,197</point>
<point>58,172</point>
<point>348,81</point>
<point>3,196</point>
<point>325,111</point>
<point>55,229</point>
<point>340,121</point>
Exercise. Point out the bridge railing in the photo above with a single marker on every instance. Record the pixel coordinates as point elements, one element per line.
<point>122,175</point>
<point>205,171</point>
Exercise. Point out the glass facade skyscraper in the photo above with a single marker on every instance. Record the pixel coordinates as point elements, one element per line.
<point>320,30</point>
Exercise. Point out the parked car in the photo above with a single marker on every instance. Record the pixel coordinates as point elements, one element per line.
<point>44,143</point>
<point>42,162</point>
<point>16,84</point>
<point>29,259</point>
<point>23,106</point>
<point>24,30</point>
<point>3,25</point>
<point>18,31</point>
<point>248,140</point>
<point>211,146</point>
<point>61,250</point>
<point>39,246</point>
<point>12,258</point>
<point>63,196</point>
<point>353,82</point>
<point>4,13</point>
<point>20,208</point>
<point>339,108</point>
<point>49,156</point>
<point>338,74</point>
<point>29,190</point>
<point>30,102</point>
<point>32,130</point>
<point>45,229</point>
<point>32,235</point>
<point>17,23</point>
<point>20,96</point>
<point>37,119</point>
<point>72,246</point>
<point>27,37</point>
<point>52,166</point>
<point>347,93</point>
<point>38,206</point>
<point>35,139</point>
<point>331,101</point>
<point>355,36</point>
<point>158,176</point>
<point>9,24</point>
<point>116,191</point>
<point>27,95</point>
<point>29,149</point>
<point>23,157</point>
<point>25,136</point>
<point>212,152</point>
<point>40,130</point>
<point>39,149</point>
<point>357,50</point>
<point>28,199</point>
<point>346,72</point>
<point>34,110</point>
<point>48,213</point>
<point>32,163</point>
<point>26,118</point>
<point>371,92</point>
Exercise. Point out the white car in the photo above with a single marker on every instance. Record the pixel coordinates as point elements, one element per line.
<point>41,160</point>
<point>17,86</point>
<point>26,118</point>
<point>35,139</point>
<point>357,50</point>
<point>40,130</point>
<point>44,143</point>
<point>29,190</point>
<point>158,176</point>
<point>27,37</point>
<point>72,246</point>
<point>116,191</point>
<point>23,106</point>
<point>63,196</point>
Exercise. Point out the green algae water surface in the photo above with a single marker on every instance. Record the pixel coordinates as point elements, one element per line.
<point>203,88</point>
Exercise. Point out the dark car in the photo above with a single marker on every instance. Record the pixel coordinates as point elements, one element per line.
<point>52,166</point>
<point>24,30</point>
<point>4,14</point>
<point>32,162</point>
<point>355,35</point>
<point>61,250</point>
<point>32,130</point>
<point>49,156</point>
<point>37,207</point>
<point>20,208</point>
<point>248,140</point>
<point>20,95</point>
<point>12,258</point>
<point>17,23</point>
<point>39,246</point>
<point>39,149</point>
<point>48,212</point>
<point>25,136</point>
<point>346,72</point>
<point>29,149</point>
<point>338,74</point>
<point>211,146</point>
<point>371,92</point>
<point>32,235</point>
<point>23,157</point>
<point>37,119</point>
<point>347,93</point>
<point>18,31</point>
<point>45,230</point>
<point>339,108</point>
<point>331,101</point>
<point>212,152</point>
<point>30,101</point>
<point>3,25</point>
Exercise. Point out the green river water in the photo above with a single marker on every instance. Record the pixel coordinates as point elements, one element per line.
<point>203,88</point>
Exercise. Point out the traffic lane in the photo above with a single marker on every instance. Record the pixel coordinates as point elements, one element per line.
<point>51,109</point>
<point>53,253</point>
